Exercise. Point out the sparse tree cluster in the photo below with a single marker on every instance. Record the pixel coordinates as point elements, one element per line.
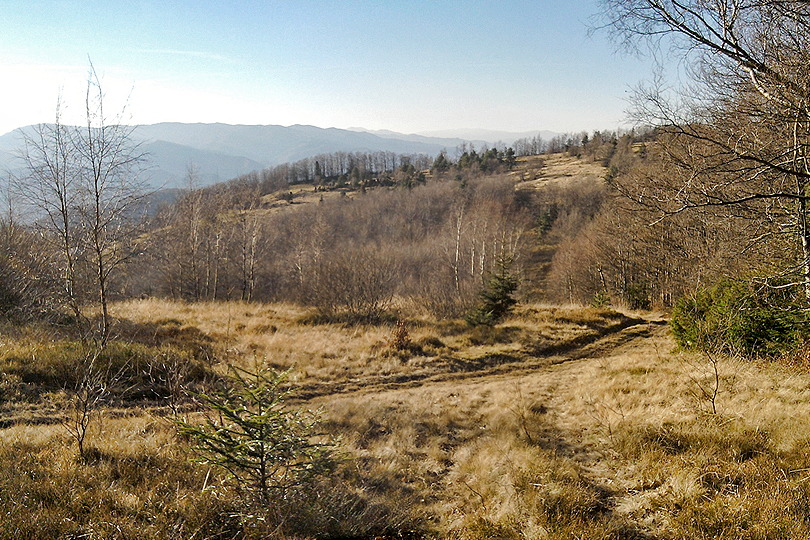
<point>340,169</point>
<point>718,187</point>
<point>497,159</point>
<point>206,246</point>
<point>436,244</point>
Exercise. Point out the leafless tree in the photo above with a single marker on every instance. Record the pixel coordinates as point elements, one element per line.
<point>83,185</point>
<point>93,383</point>
<point>738,135</point>
<point>49,186</point>
<point>111,191</point>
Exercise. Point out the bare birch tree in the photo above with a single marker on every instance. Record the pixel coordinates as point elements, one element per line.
<point>49,187</point>
<point>83,186</point>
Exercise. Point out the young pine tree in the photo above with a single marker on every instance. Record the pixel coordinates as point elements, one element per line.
<point>249,431</point>
<point>496,299</point>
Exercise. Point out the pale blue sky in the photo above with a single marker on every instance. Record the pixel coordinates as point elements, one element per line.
<point>406,66</point>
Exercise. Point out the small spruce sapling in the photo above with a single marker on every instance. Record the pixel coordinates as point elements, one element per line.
<point>248,431</point>
<point>496,299</point>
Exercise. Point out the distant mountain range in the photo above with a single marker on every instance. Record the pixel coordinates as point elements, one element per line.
<point>489,136</point>
<point>220,152</point>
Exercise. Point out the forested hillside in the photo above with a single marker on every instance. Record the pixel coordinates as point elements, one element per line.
<point>347,233</point>
<point>367,233</point>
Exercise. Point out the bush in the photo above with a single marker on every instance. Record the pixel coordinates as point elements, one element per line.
<point>356,284</point>
<point>737,316</point>
<point>29,289</point>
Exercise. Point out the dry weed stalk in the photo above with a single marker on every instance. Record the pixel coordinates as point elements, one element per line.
<point>171,371</point>
<point>601,412</point>
<point>521,412</point>
<point>706,391</point>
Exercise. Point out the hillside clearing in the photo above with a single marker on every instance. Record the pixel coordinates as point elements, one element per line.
<point>540,172</point>
<point>561,422</point>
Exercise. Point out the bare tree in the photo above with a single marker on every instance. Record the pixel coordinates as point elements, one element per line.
<point>738,135</point>
<point>83,185</point>
<point>177,243</point>
<point>49,186</point>
<point>249,237</point>
<point>111,191</point>
<point>92,386</point>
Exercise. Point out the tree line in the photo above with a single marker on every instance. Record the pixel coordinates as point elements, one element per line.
<point>338,169</point>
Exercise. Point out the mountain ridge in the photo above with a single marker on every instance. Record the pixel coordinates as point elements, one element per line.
<point>220,151</point>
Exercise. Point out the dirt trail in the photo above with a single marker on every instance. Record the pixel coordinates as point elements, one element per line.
<point>589,399</point>
<point>496,366</point>
<point>577,414</point>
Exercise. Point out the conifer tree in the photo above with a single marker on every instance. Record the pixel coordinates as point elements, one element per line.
<point>249,431</point>
<point>497,297</point>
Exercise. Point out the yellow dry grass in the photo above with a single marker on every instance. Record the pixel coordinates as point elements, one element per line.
<point>540,172</point>
<point>610,437</point>
<point>301,194</point>
<point>560,452</point>
<point>274,334</point>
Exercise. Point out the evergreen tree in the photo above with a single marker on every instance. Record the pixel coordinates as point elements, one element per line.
<point>249,432</point>
<point>441,163</point>
<point>497,297</point>
<point>318,173</point>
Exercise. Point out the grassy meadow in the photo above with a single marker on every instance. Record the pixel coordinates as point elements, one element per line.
<point>560,422</point>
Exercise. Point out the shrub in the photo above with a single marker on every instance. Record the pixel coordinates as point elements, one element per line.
<point>354,283</point>
<point>28,288</point>
<point>601,300</point>
<point>400,339</point>
<point>737,316</point>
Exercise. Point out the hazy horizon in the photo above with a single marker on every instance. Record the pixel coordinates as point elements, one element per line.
<point>467,133</point>
<point>516,66</point>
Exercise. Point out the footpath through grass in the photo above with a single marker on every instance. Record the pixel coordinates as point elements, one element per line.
<point>493,438</point>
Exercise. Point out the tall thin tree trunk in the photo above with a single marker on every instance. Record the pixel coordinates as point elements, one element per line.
<point>804,233</point>
<point>456,259</point>
<point>800,163</point>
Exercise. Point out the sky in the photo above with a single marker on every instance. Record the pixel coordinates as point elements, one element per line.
<point>402,65</point>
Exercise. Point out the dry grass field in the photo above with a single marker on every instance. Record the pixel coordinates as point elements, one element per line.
<point>539,172</point>
<point>561,422</point>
